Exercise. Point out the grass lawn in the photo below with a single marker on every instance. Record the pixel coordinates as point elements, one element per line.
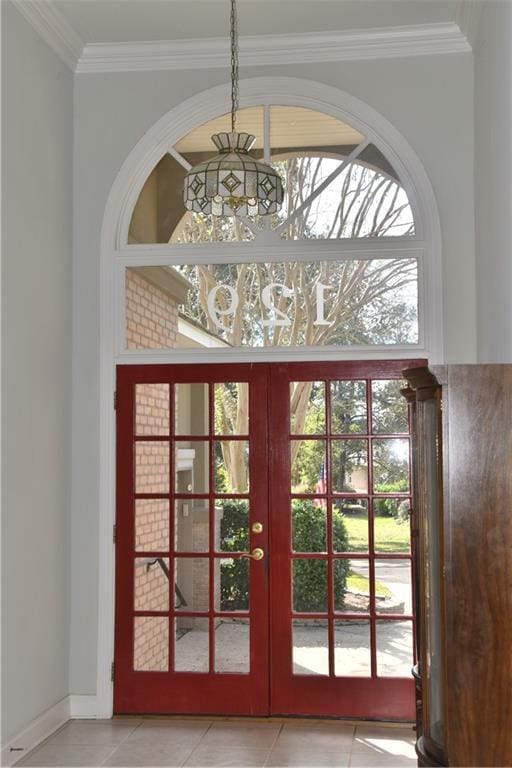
<point>390,535</point>
<point>361,584</point>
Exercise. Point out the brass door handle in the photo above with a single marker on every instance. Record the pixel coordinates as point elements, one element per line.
<point>256,554</point>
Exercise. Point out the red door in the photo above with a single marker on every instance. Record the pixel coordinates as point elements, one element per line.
<point>342,604</point>
<point>191,483</point>
<point>322,624</point>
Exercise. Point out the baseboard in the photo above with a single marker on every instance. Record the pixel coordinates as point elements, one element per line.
<point>38,730</point>
<point>82,706</point>
<point>74,706</point>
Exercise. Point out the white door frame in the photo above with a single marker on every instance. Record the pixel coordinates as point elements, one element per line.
<point>115,254</point>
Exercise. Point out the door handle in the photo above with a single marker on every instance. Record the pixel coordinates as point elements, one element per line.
<point>256,554</point>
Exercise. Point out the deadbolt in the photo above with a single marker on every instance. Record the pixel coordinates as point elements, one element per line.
<point>257,527</point>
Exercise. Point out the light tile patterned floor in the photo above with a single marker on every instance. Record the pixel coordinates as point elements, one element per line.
<point>202,742</point>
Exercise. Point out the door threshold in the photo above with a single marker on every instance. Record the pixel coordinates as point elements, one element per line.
<point>295,719</point>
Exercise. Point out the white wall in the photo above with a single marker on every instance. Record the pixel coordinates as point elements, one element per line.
<point>36,272</point>
<point>493,181</point>
<point>428,99</point>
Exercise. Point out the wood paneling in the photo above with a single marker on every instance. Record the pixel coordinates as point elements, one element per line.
<point>478,510</point>
<point>476,540</point>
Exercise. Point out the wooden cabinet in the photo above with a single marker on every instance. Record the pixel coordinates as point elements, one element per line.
<point>462,526</point>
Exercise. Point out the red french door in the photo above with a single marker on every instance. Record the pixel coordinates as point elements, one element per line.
<point>342,603</point>
<point>191,484</point>
<point>263,556</point>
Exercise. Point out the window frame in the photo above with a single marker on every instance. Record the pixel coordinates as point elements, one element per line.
<point>222,253</point>
<point>270,248</point>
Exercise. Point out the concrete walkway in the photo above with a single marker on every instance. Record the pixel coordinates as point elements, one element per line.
<point>352,655</point>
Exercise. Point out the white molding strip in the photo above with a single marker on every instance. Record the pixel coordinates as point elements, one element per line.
<point>38,730</point>
<point>82,706</point>
<point>387,42</point>
<point>308,47</point>
<point>52,26</point>
<point>78,707</point>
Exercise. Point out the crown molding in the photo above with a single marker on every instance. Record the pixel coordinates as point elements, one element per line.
<point>260,50</point>
<point>386,42</point>
<point>467,16</point>
<point>53,28</point>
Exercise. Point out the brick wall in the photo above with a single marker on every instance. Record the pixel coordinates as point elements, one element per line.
<point>151,644</point>
<point>151,314</point>
<point>151,318</point>
<point>152,409</point>
<point>152,323</point>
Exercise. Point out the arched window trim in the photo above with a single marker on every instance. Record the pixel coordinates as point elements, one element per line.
<point>268,92</point>
<point>184,120</point>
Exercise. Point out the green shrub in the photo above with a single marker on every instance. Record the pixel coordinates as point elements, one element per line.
<point>234,537</point>
<point>310,576</point>
<point>392,507</point>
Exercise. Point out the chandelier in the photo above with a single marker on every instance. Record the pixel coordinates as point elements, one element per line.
<point>233,182</point>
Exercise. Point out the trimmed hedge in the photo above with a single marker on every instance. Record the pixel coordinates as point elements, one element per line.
<point>309,576</point>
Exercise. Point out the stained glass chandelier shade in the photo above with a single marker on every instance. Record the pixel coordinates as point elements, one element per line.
<point>233,182</point>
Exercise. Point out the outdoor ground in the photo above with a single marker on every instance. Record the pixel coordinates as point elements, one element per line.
<point>352,655</point>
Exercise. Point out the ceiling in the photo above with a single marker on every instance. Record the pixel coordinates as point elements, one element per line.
<point>290,127</point>
<point>116,21</point>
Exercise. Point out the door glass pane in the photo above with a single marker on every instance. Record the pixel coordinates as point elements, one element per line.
<point>307,408</point>
<point>232,646</point>
<point>351,586</point>
<point>232,525</point>
<point>310,647</point>
<point>349,466</point>
<point>192,577</point>
<point>352,657</point>
<point>151,467</point>
<point>350,525</point>
<point>392,532</point>
<point>151,584</point>
<point>151,644</point>
<point>309,525</point>
<point>231,466</point>
<point>232,584</point>
<point>192,525</point>
<point>151,525</point>
<point>308,466</point>
<point>394,648</point>
<point>232,408</point>
<point>309,585</point>
<point>432,542</point>
<point>192,409</point>
<point>393,591</point>
<point>389,408</point>
<point>191,644</point>
<point>348,407</point>
<point>192,466</point>
<point>391,465</point>
<point>151,409</point>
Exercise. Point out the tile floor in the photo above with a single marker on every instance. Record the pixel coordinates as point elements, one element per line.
<point>202,742</point>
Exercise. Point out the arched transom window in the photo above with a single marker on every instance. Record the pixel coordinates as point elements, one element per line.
<point>337,267</point>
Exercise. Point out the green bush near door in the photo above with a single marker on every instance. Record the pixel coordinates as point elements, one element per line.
<point>309,575</point>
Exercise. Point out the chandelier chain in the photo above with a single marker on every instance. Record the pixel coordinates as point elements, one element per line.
<point>233,183</point>
<point>234,64</point>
